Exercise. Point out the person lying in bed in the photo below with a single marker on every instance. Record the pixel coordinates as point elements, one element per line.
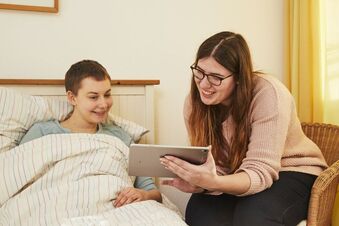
<point>88,89</point>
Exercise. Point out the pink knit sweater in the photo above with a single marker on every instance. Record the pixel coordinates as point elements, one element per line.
<point>277,142</point>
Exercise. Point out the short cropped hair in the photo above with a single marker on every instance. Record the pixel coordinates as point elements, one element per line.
<point>81,70</point>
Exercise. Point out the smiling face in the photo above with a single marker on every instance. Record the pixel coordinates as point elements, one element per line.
<point>211,94</point>
<point>92,102</point>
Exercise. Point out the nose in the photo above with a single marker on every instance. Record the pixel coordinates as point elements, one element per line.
<point>103,103</point>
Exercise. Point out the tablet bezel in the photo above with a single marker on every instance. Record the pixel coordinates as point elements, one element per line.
<point>144,159</point>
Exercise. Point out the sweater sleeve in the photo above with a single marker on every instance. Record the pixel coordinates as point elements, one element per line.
<point>270,115</point>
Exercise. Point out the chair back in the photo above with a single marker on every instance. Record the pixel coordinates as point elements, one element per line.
<point>326,136</point>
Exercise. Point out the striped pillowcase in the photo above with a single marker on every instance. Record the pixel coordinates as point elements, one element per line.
<point>18,112</point>
<point>135,130</point>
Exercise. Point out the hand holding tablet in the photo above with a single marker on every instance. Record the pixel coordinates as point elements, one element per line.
<point>144,159</point>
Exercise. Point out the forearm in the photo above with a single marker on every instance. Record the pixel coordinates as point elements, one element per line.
<point>234,184</point>
<point>153,195</point>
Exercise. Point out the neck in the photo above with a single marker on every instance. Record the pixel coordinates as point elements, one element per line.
<point>79,126</point>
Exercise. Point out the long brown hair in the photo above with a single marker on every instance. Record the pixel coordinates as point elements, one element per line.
<point>205,121</point>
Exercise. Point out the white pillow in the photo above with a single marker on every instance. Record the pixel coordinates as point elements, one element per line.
<point>18,112</point>
<point>135,130</point>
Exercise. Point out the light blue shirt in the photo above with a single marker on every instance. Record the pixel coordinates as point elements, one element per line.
<point>40,129</point>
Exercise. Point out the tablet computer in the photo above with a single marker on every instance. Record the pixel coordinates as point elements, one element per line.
<point>144,159</point>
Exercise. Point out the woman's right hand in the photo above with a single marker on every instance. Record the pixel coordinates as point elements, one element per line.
<point>191,178</point>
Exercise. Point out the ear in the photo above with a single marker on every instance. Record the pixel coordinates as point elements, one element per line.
<point>71,98</point>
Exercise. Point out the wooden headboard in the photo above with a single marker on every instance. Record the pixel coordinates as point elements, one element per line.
<point>132,99</point>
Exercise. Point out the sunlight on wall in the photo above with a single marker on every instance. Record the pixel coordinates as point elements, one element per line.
<point>331,95</point>
<point>332,60</point>
<point>334,89</point>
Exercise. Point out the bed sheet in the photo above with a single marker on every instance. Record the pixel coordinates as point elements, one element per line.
<point>72,179</point>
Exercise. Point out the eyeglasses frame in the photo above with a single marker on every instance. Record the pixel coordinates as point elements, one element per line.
<point>220,77</point>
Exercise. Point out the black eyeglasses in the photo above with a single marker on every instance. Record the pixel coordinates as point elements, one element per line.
<point>213,79</point>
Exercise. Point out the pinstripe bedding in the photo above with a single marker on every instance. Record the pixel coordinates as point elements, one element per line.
<point>71,179</point>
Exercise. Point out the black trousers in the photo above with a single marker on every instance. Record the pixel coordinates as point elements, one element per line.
<point>285,203</point>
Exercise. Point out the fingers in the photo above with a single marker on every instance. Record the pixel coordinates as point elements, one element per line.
<point>176,160</point>
<point>194,175</point>
<point>167,182</point>
<point>181,185</point>
<point>172,183</point>
<point>127,196</point>
<point>210,159</point>
<point>180,167</point>
<point>123,200</point>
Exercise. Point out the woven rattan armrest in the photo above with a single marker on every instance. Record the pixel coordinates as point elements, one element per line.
<point>323,197</point>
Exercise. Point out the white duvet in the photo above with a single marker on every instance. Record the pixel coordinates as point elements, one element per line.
<point>71,179</point>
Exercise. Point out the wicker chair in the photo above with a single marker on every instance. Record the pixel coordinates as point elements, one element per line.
<point>324,190</point>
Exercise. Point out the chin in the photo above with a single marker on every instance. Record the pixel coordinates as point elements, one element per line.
<point>102,120</point>
<point>97,121</point>
<point>208,102</point>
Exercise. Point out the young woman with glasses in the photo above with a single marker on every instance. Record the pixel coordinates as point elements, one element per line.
<point>261,166</point>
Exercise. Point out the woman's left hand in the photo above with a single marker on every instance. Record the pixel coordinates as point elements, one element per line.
<point>182,185</point>
<point>193,176</point>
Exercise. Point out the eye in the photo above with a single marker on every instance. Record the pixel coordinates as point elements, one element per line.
<point>93,97</point>
<point>199,70</point>
<point>107,95</point>
<point>198,73</point>
<point>215,77</point>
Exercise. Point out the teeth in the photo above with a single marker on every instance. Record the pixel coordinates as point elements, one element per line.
<point>206,92</point>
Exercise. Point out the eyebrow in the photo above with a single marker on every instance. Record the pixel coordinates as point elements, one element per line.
<point>107,91</point>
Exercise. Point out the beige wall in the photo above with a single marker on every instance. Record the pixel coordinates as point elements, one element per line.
<point>137,40</point>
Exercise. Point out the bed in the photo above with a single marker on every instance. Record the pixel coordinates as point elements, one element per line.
<point>71,179</point>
